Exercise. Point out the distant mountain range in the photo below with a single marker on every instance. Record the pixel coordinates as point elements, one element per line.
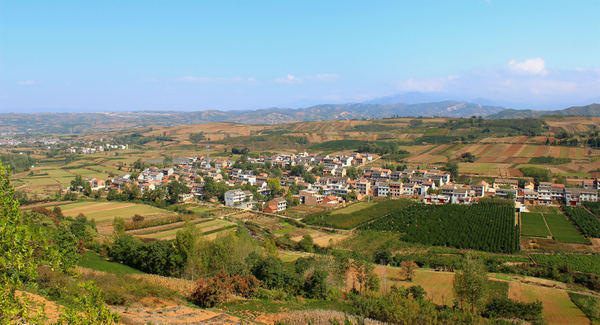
<point>382,108</point>
<point>587,110</point>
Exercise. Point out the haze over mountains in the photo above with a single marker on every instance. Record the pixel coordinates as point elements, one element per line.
<point>405,105</point>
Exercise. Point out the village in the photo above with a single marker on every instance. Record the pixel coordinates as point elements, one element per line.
<point>272,183</point>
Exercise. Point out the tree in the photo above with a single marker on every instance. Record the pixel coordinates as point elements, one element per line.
<point>89,308</point>
<point>197,137</point>
<point>315,285</point>
<point>383,255</point>
<point>275,185</point>
<point>452,167</point>
<point>176,188</point>
<point>24,248</point>
<point>138,164</point>
<point>137,218</point>
<point>470,285</point>
<point>408,269</point>
<point>78,184</point>
<point>297,170</point>
<point>309,178</point>
<point>367,279</point>
<point>353,172</point>
<point>270,247</point>
<point>119,225</point>
<point>307,244</point>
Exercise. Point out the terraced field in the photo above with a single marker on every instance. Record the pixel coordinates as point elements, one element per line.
<point>207,227</point>
<point>104,212</point>
<point>558,307</point>
<point>107,211</point>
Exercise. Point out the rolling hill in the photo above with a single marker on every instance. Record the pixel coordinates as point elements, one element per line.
<point>587,110</point>
<point>110,121</point>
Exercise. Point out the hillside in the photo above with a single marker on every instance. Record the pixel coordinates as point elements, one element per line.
<point>110,121</point>
<point>114,121</point>
<point>587,110</point>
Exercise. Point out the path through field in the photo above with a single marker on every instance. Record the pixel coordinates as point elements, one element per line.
<point>558,307</point>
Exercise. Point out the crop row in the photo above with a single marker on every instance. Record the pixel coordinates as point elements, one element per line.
<point>586,221</point>
<point>488,226</point>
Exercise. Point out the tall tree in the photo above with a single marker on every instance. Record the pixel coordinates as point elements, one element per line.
<point>470,285</point>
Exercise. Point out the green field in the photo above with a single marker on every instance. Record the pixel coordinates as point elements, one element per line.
<point>588,304</point>
<point>532,224</point>
<point>563,230</point>
<point>593,207</point>
<point>542,209</point>
<point>209,227</point>
<point>108,210</point>
<point>576,262</point>
<point>352,219</point>
<point>353,208</point>
<point>93,261</point>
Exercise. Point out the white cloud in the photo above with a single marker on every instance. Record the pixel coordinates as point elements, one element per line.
<point>533,66</point>
<point>28,82</point>
<point>289,79</point>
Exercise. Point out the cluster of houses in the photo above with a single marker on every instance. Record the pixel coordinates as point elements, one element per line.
<point>334,165</point>
<point>332,188</point>
<point>95,149</point>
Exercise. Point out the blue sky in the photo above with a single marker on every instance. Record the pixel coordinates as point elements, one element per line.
<point>195,55</point>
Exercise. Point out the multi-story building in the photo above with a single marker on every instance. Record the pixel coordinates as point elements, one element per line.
<point>396,189</point>
<point>238,198</point>
<point>363,186</point>
<point>277,204</point>
<point>574,196</point>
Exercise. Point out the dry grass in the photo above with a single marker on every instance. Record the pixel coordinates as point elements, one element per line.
<point>558,307</point>
<point>320,317</point>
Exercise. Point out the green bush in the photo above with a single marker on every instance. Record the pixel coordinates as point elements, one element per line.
<point>508,308</point>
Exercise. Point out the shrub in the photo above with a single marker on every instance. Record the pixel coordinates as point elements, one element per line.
<point>218,289</point>
<point>508,308</point>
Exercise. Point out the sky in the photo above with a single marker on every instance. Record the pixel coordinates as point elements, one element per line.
<point>83,56</point>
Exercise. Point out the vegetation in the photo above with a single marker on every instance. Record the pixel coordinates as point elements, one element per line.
<point>29,244</point>
<point>549,160</point>
<point>509,309</point>
<point>488,225</point>
<point>197,137</point>
<point>587,222</point>
<point>17,162</point>
<point>594,207</point>
<point>533,224</point>
<point>538,174</point>
<point>589,263</point>
<point>339,219</point>
<point>590,305</point>
<point>94,261</point>
<point>563,230</point>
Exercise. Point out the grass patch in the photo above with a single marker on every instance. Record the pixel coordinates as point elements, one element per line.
<point>563,230</point>
<point>262,306</point>
<point>589,305</point>
<point>353,208</point>
<point>94,261</point>
<point>368,241</point>
<point>574,262</point>
<point>549,160</point>
<point>532,224</point>
<point>353,219</point>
